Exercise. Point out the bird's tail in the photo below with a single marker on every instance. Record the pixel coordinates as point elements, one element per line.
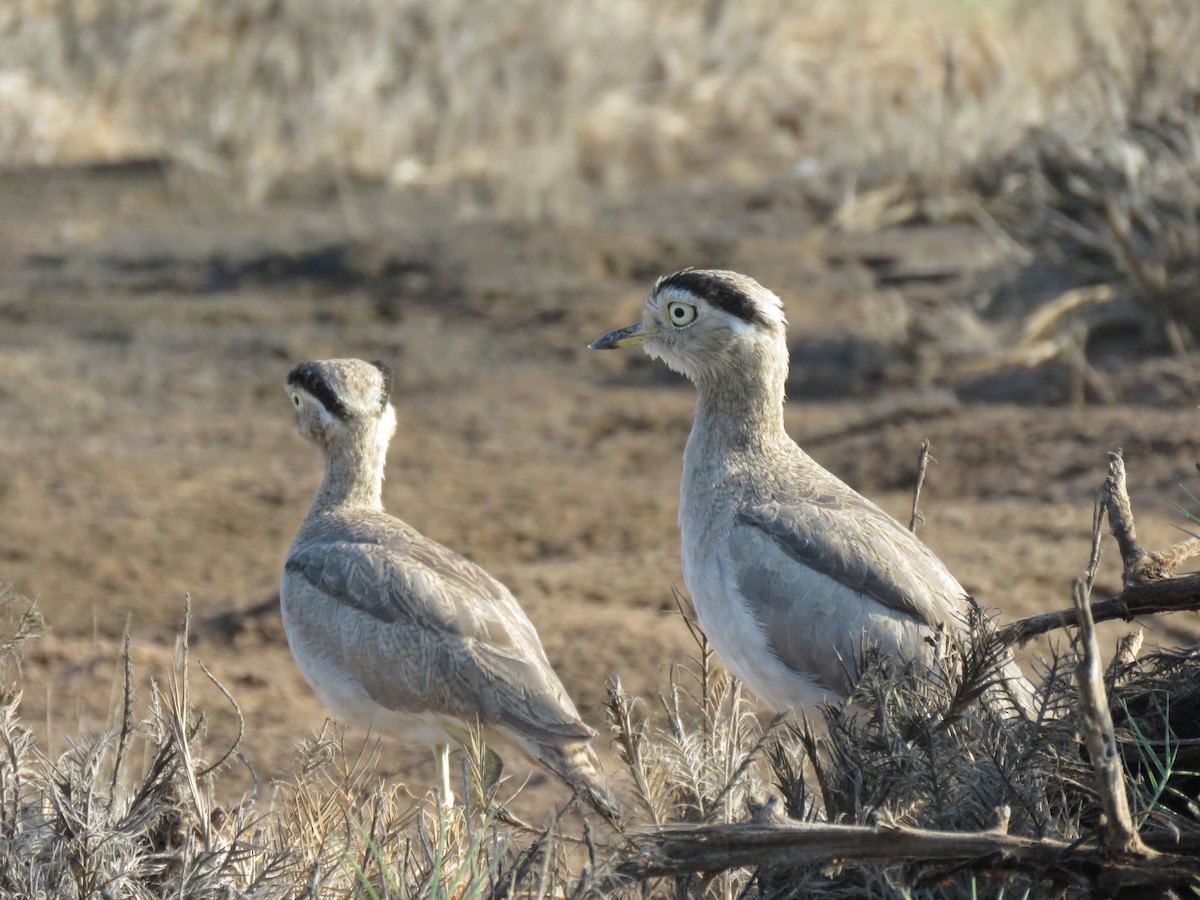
<point>578,766</point>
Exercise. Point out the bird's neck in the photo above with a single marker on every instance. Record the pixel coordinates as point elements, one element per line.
<point>743,410</point>
<point>353,475</point>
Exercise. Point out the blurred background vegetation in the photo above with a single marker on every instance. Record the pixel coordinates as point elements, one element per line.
<point>1069,124</point>
<point>540,105</point>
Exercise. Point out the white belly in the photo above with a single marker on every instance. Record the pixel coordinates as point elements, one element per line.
<point>347,699</point>
<point>740,641</point>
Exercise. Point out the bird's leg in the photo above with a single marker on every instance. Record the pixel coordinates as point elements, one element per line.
<point>441,753</point>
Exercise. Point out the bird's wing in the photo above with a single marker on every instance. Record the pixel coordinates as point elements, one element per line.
<point>829,573</point>
<point>420,627</point>
<point>815,624</point>
<point>847,538</point>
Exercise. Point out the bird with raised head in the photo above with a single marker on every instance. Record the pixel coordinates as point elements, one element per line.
<point>791,571</point>
<point>393,630</point>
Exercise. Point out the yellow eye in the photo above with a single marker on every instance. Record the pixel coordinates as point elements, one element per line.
<point>298,400</point>
<point>681,314</point>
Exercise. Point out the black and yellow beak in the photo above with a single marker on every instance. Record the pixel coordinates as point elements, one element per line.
<point>629,336</point>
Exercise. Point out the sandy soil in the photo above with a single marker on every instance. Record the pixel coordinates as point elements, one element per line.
<point>148,449</point>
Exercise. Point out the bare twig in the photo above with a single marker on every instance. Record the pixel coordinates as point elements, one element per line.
<point>1120,837</point>
<point>1115,496</point>
<point>1093,565</point>
<point>237,711</point>
<point>1139,565</point>
<point>922,464</point>
<point>1149,585</point>
<point>1128,648</point>
<point>687,612</point>
<point>1179,594</point>
<point>1152,276</point>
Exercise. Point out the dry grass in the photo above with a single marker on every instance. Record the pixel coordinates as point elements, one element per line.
<point>538,104</point>
<point>1002,807</point>
<point>131,813</point>
<point>1071,125</point>
<point>1111,189</point>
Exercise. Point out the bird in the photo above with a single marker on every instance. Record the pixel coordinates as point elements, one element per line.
<point>396,632</point>
<point>792,572</point>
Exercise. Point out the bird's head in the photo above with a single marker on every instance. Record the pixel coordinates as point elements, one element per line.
<point>706,324</point>
<point>343,403</point>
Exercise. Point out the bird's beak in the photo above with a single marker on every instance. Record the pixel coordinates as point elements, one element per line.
<point>629,336</point>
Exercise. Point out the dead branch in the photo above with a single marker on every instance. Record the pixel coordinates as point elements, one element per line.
<point>684,850</point>
<point>1150,584</point>
<point>1115,496</point>
<point>1050,315</point>
<point>1138,565</point>
<point>1120,837</point>
<point>1179,594</point>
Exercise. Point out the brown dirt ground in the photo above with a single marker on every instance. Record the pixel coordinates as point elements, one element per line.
<point>148,450</point>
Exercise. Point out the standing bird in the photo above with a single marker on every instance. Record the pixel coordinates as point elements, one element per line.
<point>395,631</point>
<point>789,568</point>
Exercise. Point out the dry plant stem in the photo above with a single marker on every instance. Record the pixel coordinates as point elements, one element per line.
<point>1139,565</point>
<point>1149,587</point>
<point>749,760</point>
<point>237,711</point>
<point>1051,315</point>
<point>922,464</point>
<point>683,850</point>
<point>1181,594</point>
<point>1170,559</point>
<point>178,706</point>
<point>619,706</point>
<point>126,716</point>
<point>1151,276</point>
<point>1115,496</point>
<point>688,614</point>
<point>1128,648</point>
<point>1120,837</point>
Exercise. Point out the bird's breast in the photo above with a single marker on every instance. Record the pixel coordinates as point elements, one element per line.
<point>742,643</point>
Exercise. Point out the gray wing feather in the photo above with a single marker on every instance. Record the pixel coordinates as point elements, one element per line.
<point>852,541</point>
<point>422,628</point>
<point>898,589</point>
<point>814,624</point>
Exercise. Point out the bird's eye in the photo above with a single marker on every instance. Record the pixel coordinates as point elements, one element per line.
<point>298,400</point>
<point>681,314</point>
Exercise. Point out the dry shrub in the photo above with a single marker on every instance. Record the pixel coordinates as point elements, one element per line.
<point>131,813</point>
<point>693,762</point>
<point>916,749</point>
<point>537,104</point>
<point>1092,195</point>
<point>542,106</point>
<point>1111,188</point>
